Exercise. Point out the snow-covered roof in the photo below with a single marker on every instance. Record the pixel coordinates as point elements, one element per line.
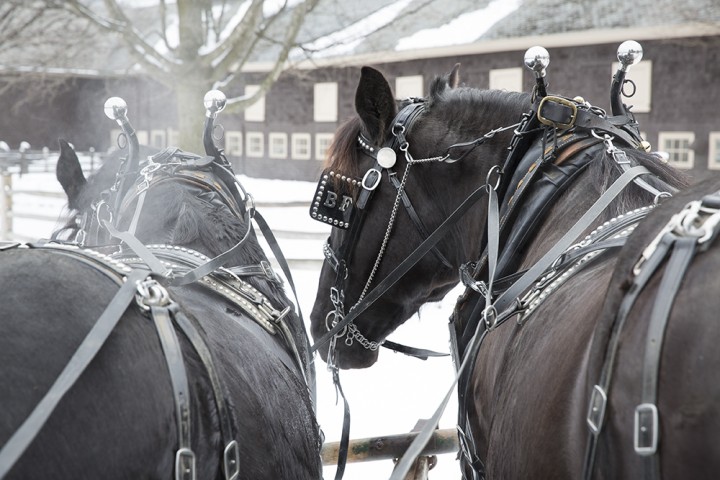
<point>337,31</point>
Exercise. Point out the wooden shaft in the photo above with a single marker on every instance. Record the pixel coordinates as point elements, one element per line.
<point>391,446</point>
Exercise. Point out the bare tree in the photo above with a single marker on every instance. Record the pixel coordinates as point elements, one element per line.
<point>190,46</point>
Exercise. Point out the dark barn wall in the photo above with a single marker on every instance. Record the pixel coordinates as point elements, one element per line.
<point>685,97</point>
<point>40,111</point>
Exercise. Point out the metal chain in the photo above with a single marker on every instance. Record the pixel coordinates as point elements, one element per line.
<point>393,213</point>
<point>352,332</point>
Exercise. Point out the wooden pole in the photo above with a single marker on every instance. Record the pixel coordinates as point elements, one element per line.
<point>5,204</point>
<point>390,447</point>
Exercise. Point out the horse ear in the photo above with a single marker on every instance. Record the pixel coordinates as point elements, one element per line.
<point>454,77</point>
<point>442,83</point>
<point>70,174</point>
<point>375,103</point>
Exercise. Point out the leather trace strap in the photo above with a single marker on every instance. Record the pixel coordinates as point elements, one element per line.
<point>161,314</point>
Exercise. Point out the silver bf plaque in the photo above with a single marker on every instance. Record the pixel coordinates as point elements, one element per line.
<point>333,201</point>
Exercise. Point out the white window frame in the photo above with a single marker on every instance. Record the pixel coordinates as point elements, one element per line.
<point>256,111</point>
<point>159,135</point>
<point>409,86</point>
<point>714,151</point>
<point>510,79</point>
<point>142,136</point>
<point>234,143</point>
<point>114,135</point>
<point>253,139</point>
<point>322,143</point>
<point>295,150</point>
<point>277,139</point>
<point>325,102</point>
<point>641,75</point>
<point>173,137</point>
<point>673,152</point>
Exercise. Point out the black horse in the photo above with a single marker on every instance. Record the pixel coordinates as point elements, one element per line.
<point>120,420</point>
<point>526,400</point>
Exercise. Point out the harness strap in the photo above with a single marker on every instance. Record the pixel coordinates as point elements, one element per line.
<point>139,248</point>
<point>487,315</point>
<point>509,297</point>
<point>215,263</point>
<point>598,398</point>
<point>647,427</point>
<point>416,219</point>
<point>419,353</point>
<point>90,346</point>
<point>231,451</point>
<point>184,457</point>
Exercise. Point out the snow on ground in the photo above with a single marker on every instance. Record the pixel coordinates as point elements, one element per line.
<point>386,399</point>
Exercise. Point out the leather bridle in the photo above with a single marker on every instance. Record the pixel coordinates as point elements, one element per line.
<point>384,161</point>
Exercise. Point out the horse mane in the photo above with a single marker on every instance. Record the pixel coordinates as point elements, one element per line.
<point>462,106</point>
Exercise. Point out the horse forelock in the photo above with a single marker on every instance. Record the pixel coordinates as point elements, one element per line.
<point>343,154</point>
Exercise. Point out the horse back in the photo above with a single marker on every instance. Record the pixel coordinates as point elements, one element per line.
<point>688,378</point>
<point>118,420</point>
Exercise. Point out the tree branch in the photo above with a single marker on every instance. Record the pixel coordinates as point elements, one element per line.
<point>299,14</point>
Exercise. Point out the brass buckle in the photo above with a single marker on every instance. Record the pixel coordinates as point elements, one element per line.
<point>561,101</point>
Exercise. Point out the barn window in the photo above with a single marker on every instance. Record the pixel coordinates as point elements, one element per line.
<point>300,146</point>
<point>322,143</point>
<point>409,86</point>
<point>233,143</point>
<point>256,111</point>
<point>255,144</point>
<point>714,151</point>
<point>510,79</point>
<point>678,146</point>
<point>277,145</point>
<point>325,102</point>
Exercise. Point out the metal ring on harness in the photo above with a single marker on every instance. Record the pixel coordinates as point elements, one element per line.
<point>660,195</point>
<point>495,168</point>
<point>490,317</point>
<point>337,317</point>
<point>98,212</point>
<point>151,294</point>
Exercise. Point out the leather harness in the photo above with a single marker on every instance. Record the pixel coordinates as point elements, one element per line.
<point>141,274</point>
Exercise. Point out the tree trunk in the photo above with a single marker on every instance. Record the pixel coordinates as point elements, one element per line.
<point>191,114</point>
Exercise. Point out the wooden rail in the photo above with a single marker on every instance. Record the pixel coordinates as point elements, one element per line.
<point>390,447</point>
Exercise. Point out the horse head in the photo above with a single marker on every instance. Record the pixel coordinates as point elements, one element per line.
<point>430,135</point>
<point>173,197</point>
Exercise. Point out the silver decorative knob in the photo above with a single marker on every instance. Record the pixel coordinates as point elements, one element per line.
<point>629,53</point>
<point>537,59</point>
<point>115,108</point>
<point>214,102</point>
